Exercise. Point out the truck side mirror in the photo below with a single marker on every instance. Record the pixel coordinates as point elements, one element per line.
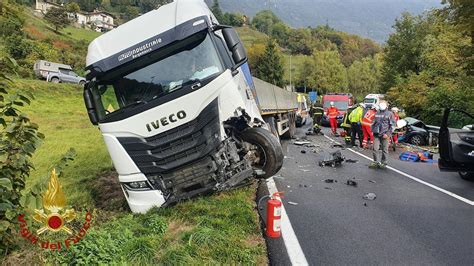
<point>235,46</point>
<point>90,107</point>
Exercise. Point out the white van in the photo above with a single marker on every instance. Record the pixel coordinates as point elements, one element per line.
<point>373,99</point>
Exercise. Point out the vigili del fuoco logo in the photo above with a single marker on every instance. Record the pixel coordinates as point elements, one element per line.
<point>54,217</point>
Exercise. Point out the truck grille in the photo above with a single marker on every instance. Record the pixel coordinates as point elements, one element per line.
<point>176,147</point>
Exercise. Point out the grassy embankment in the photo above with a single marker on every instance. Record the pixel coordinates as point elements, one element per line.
<point>222,228</point>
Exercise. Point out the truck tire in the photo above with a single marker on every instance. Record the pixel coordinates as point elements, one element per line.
<point>292,127</point>
<point>268,146</point>
<point>54,80</point>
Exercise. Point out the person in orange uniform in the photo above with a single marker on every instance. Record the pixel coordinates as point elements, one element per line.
<point>395,111</point>
<point>332,113</point>
<point>366,126</point>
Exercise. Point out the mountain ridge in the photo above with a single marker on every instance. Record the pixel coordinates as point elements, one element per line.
<point>368,18</point>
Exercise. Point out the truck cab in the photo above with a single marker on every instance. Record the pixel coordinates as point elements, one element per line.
<point>174,100</point>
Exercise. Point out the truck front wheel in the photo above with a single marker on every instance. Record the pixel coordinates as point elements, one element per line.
<point>267,154</point>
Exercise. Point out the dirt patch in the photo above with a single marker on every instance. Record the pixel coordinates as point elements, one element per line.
<point>107,192</point>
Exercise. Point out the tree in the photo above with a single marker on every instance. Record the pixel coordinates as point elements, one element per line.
<point>217,11</point>
<point>254,53</point>
<point>461,14</point>
<point>403,50</point>
<point>73,7</point>
<point>269,65</point>
<point>58,17</point>
<point>264,21</point>
<point>363,76</point>
<point>329,74</point>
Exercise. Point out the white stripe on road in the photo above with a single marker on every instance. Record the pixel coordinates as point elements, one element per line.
<point>470,202</point>
<point>292,245</point>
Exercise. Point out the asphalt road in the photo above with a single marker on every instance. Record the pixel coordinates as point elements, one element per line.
<point>408,222</point>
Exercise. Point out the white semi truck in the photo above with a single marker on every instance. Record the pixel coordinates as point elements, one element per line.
<point>179,112</point>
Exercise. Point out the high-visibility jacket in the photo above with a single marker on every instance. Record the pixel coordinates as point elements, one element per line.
<point>332,112</point>
<point>356,115</point>
<point>345,119</point>
<point>368,117</point>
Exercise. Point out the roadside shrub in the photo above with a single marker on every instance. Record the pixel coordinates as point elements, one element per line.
<point>17,46</point>
<point>19,139</point>
<point>10,25</point>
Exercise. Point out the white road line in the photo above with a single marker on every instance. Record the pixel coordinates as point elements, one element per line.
<point>292,245</point>
<point>470,202</point>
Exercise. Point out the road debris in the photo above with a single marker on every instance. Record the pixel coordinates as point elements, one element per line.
<point>351,183</point>
<point>292,203</point>
<point>328,188</point>
<point>329,180</point>
<point>287,157</point>
<point>372,181</point>
<point>304,170</point>
<point>301,143</point>
<point>351,161</point>
<point>369,196</point>
<point>337,145</point>
<point>365,204</point>
<point>333,159</point>
<point>303,151</point>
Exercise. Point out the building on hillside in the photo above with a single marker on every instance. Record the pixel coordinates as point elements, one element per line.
<point>98,20</point>
<point>44,6</point>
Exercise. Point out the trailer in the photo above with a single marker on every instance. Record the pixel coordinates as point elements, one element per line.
<point>278,108</point>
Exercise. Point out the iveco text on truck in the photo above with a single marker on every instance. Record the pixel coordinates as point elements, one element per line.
<point>178,109</point>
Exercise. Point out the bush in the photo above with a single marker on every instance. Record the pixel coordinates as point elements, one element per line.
<point>19,139</point>
<point>10,26</point>
<point>18,47</point>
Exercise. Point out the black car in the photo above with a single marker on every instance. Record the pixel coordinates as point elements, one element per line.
<point>419,134</point>
<point>456,143</point>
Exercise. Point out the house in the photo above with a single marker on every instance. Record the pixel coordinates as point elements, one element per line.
<point>98,20</point>
<point>44,6</point>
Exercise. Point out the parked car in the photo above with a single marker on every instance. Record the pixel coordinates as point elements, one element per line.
<point>56,72</point>
<point>418,133</point>
<point>456,143</point>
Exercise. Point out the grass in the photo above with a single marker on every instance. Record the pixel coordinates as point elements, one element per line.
<point>250,36</point>
<point>217,229</point>
<point>80,33</point>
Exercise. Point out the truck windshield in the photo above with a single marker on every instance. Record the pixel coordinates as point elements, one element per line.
<point>369,100</point>
<point>191,62</point>
<point>339,104</point>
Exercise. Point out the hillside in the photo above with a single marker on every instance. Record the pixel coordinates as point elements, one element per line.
<point>368,18</point>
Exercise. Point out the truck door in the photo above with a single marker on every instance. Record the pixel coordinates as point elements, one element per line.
<point>456,141</point>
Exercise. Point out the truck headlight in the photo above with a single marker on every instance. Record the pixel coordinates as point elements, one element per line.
<point>137,185</point>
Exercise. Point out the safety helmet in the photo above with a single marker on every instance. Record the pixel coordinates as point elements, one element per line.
<point>331,103</point>
<point>395,109</point>
<point>362,105</point>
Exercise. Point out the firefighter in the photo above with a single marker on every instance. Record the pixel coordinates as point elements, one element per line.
<point>332,113</point>
<point>366,126</point>
<point>317,113</point>
<point>346,125</point>
<point>382,128</point>
<point>355,117</point>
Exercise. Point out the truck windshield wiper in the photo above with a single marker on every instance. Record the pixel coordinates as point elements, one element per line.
<point>192,82</point>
